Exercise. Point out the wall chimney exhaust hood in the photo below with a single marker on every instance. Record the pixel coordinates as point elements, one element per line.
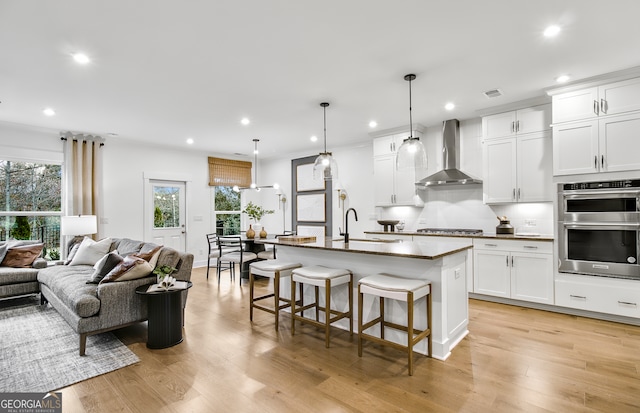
<point>451,174</point>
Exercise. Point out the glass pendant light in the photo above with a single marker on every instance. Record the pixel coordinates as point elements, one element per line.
<point>325,166</point>
<point>411,153</point>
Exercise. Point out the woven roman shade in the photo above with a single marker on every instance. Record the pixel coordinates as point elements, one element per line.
<point>228,172</point>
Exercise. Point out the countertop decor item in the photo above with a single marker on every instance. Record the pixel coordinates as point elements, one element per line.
<point>505,226</point>
<point>388,224</point>
<point>411,153</point>
<point>325,165</point>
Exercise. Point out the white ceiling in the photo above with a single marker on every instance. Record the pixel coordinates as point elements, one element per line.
<point>163,71</point>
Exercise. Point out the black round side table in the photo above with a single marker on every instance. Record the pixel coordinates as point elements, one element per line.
<point>164,328</point>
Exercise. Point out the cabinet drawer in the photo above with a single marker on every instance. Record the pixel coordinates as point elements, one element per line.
<point>602,295</point>
<point>543,247</point>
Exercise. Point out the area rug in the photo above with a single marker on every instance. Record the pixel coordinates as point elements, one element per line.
<point>39,351</point>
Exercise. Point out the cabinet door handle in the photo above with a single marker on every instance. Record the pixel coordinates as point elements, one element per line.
<point>491,245</point>
<point>603,106</point>
<point>507,257</point>
<point>595,107</point>
<point>518,193</point>
<point>602,161</point>
<point>627,303</point>
<point>517,126</point>
<point>514,194</point>
<point>595,162</point>
<point>512,260</point>
<point>530,247</point>
<point>513,127</point>
<point>580,297</point>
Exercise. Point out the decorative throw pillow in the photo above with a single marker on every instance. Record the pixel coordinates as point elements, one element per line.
<point>150,256</point>
<point>72,253</point>
<point>131,268</point>
<point>91,251</point>
<point>104,267</point>
<point>22,256</point>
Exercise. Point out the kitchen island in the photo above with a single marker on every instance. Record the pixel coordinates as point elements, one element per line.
<point>443,263</point>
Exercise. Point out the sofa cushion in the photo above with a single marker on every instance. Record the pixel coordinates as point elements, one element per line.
<point>169,257</point>
<point>127,246</point>
<point>91,251</point>
<point>104,266</point>
<point>69,285</point>
<point>22,256</point>
<point>130,268</point>
<point>10,275</point>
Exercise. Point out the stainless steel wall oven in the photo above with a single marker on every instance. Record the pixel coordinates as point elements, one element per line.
<point>599,228</point>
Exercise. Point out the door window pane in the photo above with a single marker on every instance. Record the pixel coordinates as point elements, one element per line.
<point>166,207</point>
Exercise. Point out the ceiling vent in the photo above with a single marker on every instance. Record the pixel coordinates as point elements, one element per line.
<point>494,93</point>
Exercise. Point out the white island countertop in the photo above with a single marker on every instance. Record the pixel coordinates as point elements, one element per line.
<point>427,249</point>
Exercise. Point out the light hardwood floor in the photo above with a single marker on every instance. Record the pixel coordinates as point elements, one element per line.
<point>514,359</point>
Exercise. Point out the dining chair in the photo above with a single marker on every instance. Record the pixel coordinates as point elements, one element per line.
<point>215,253</point>
<point>236,252</point>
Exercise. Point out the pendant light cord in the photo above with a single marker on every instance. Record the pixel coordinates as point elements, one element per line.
<point>410,116</point>
<point>324,112</point>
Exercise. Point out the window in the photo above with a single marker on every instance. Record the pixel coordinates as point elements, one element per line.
<point>226,205</point>
<point>31,203</point>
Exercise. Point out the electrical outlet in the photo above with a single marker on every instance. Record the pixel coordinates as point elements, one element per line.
<point>456,273</point>
<point>530,222</point>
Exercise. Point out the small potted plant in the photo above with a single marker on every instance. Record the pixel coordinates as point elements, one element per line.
<point>256,212</point>
<point>163,271</point>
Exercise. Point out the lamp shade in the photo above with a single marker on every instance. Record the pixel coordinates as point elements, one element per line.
<point>325,167</point>
<point>411,154</point>
<point>78,225</point>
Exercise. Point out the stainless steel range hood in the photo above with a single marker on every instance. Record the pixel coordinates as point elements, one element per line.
<point>451,174</point>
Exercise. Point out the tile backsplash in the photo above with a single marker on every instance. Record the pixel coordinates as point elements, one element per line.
<point>462,207</point>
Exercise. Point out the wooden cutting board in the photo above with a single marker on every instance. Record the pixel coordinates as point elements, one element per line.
<point>297,239</point>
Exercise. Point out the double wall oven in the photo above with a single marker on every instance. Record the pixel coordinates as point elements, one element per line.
<point>599,228</point>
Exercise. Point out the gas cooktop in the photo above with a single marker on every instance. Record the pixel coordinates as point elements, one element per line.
<point>450,231</point>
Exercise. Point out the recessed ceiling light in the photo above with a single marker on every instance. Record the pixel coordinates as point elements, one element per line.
<point>563,78</point>
<point>373,124</point>
<point>49,112</point>
<point>245,121</point>
<point>190,141</point>
<point>449,106</point>
<point>552,31</point>
<point>81,58</point>
<point>314,138</point>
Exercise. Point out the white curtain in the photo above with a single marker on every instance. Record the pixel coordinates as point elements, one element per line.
<point>82,175</point>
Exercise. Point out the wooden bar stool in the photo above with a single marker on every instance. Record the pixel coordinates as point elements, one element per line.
<point>326,277</point>
<point>275,270</point>
<point>401,289</point>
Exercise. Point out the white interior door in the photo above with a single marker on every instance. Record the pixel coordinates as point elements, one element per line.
<point>165,213</point>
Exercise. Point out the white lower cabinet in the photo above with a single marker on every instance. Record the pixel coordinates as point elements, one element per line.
<point>519,270</point>
<point>599,294</point>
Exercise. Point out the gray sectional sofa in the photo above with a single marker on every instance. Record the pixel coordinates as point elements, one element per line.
<point>95,308</point>
<point>19,281</point>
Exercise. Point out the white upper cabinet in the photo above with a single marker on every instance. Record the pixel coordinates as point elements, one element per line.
<point>393,187</point>
<point>518,169</point>
<point>517,122</point>
<point>596,129</point>
<point>517,156</point>
<point>610,99</point>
